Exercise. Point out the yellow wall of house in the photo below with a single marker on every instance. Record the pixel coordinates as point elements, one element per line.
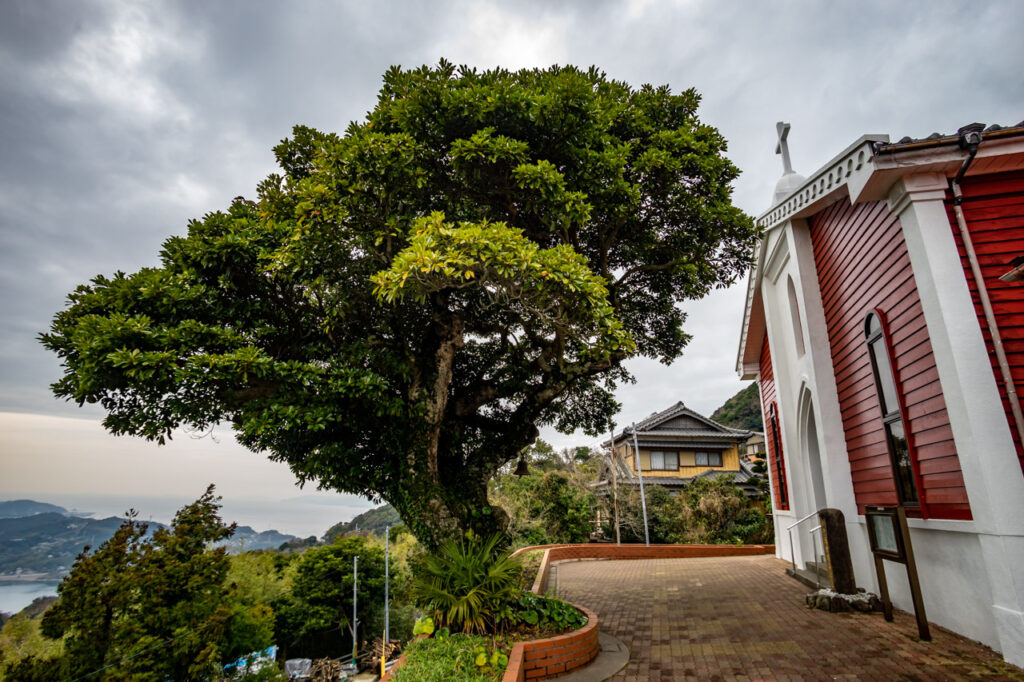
<point>687,469</point>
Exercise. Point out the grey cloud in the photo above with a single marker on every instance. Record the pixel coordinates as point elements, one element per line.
<point>102,160</point>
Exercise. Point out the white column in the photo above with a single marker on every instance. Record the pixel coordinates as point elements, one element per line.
<point>821,376</point>
<point>988,459</point>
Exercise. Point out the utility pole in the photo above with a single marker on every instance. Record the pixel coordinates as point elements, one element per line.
<point>615,484</point>
<point>639,472</point>
<point>387,612</point>
<point>355,597</point>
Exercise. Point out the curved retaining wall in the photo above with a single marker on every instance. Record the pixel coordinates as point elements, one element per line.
<point>555,553</point>
<point>542,659</point>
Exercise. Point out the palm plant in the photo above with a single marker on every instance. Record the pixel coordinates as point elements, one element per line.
<point>468,585</point>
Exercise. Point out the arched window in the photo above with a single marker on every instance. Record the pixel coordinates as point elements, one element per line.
<point>888,398</point>
<point>780,468</point>
<point>794,315</point>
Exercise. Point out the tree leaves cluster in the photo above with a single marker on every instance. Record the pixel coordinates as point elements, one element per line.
<point>167,605</point>
<point>398,311</point>
<point>315,617</point>
<point>546,507</point>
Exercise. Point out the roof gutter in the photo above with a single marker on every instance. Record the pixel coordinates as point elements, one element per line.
<point>949,140</point>
<point>970,139</point>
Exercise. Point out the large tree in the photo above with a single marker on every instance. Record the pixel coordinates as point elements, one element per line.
<point>398,311</point>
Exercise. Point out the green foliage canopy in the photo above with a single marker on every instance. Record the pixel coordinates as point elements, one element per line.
<point>546,508</point>
<point>707,511</point>
<point>316,618</point>
<point>397,312</point>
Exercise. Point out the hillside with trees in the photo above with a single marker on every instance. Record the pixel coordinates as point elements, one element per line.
<point>742,411</point>
<point>372,521</point>
<point>46,542</point>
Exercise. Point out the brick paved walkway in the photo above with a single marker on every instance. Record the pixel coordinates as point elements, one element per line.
<point>742,618</point>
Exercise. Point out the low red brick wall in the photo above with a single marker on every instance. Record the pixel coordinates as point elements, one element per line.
<point>609,551</point>
<point>542,659</point>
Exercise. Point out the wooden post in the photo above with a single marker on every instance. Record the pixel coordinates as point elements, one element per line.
<point>837,551</point>
<point>915,584</point>
<point>883,587</point>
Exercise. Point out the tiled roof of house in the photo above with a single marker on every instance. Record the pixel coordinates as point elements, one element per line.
<point>646,427</point>
<point>994,130</point>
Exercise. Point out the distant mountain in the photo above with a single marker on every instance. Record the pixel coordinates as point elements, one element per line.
<point>246,538</point>
<point>742,411</point>
<point>13,509</point>
<point>372,521</point>
<point>46,543</point>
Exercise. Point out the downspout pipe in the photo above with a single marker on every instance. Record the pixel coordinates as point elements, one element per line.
<point>970,138</point>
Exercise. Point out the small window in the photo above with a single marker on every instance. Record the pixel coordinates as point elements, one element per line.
<point>888,399</point>
<point>794,312</point>
<point>664,461</point>
<point>780,482</point>
<point>709,459</point>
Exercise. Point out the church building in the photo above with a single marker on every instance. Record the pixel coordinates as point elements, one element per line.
<point>884,322</point>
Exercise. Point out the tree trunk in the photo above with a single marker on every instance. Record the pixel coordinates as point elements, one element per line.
<point>436,512</point>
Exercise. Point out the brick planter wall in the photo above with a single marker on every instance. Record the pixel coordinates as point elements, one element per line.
<point>542,659</point>
<point>608,551</point>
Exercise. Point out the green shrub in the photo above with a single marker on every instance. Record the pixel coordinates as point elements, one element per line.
<point>469,585</point>
<point>467,658</point>
<point>548,614</point>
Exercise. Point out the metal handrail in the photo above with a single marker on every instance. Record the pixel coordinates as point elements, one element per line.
<point>794,525</point>
<point>792,551</point>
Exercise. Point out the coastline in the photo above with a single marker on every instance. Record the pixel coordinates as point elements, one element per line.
<point>32,578</point>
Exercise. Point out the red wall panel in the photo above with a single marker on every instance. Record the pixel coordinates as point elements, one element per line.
<point>994,211</point>
<point>863,265</point>
<point>767,384</point>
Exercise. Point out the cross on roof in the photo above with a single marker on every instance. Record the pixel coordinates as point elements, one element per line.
<point>782,147</point>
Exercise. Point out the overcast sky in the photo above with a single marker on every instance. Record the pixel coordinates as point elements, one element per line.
<point>120,121</point>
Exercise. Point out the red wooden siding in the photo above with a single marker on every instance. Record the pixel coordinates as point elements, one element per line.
<point>994,210</point>
<point>863,265</point>
<point>767,384</point>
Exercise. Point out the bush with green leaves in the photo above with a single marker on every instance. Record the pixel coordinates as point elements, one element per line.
<point>443,658</point>
<point>546,507</point>
<point>315,619</point>
<point>547,613</point>
<point>709,511</point>
<point>715,511</point>
<point>469,585</point>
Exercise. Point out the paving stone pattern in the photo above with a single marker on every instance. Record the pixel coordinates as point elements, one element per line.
<point>742,618</point>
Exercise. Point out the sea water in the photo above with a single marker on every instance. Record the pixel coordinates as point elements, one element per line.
<point>14,596</point>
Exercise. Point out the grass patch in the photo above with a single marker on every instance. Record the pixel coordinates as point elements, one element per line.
<point>443,659</point>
